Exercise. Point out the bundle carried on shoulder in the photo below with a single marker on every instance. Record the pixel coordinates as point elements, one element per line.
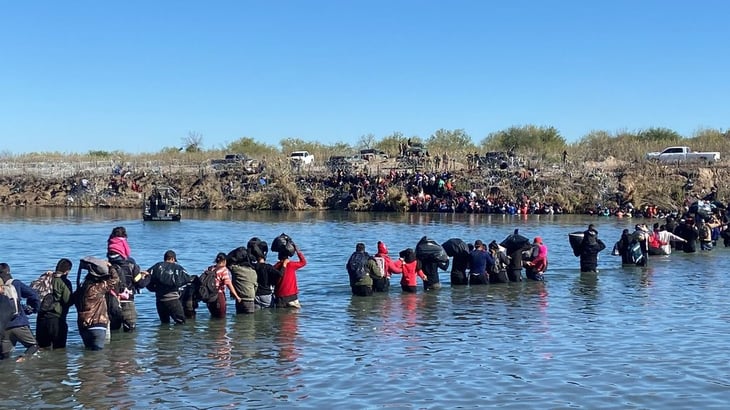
<point>98,269</point>
<point>575,239</point>
<point>283,244</point>
<point>257,248</point>
<point>239,256</point>
<point>430,250</point>
<point>515,242</point>
<point>455,246</point>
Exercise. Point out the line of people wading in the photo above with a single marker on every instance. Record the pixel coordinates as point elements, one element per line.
<point>104,300</point>
<point>471,264</point>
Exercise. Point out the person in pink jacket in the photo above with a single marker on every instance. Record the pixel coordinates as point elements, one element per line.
<point>537,266</point>
<point>118,244</point>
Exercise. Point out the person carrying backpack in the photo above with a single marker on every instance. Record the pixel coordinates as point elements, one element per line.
<point>361,268</point>
<point>166,279</point>
<point>387,265</point>
<point>217,308</point>
<point>91,300</point>
<point>18,329</point>
<point>51,325</point>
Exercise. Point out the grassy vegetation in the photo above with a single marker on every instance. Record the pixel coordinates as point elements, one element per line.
<point>602,168</point>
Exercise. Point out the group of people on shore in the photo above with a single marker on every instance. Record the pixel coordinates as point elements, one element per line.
<point>104,300</point>
<point>433,191</point>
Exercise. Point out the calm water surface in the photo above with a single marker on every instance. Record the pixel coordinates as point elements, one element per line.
<point>623,338</point>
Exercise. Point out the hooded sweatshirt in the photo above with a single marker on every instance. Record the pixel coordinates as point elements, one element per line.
<point>391,266</point>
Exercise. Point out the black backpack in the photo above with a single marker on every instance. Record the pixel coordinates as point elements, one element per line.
<point>356,266</point>
<point>207,290</point>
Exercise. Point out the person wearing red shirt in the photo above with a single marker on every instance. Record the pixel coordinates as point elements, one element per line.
<point>410,269</point>
<point>286,291</point>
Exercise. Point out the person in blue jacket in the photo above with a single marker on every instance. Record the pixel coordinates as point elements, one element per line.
<point>18,329</point>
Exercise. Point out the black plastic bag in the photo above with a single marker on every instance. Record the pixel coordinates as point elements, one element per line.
<point>430,250</point>
<point>575,239</point>
<point>515,242</point>
<point>283,244</point>
<point>408,255</point>
<point>257,248</point>
<point>455,246</point>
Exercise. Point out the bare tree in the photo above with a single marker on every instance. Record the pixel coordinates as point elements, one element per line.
<point>193,142</point>
<point>366,141</point>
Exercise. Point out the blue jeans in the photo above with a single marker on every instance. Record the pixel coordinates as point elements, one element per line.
<point>93,338</point>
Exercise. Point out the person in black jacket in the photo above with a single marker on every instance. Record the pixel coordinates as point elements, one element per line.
<point>624,248</point>
<point>589,249</point>
<point>166,279</point>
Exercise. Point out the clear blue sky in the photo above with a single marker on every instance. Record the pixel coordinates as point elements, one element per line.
<point>138,76</point>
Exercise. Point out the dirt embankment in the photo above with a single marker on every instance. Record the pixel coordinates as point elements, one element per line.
<point>575,187</point>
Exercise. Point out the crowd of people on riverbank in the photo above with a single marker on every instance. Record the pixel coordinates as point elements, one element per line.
<point>428,192</point>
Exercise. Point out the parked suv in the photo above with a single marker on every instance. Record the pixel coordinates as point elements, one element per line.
<point>373,154</point>
<point>302,157</point>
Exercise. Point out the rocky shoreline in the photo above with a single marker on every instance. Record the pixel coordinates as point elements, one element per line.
<point>574,188</point>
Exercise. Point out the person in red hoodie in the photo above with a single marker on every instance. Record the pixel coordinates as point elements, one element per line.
<point>538,265</point>
<point>286,291</point>
<point>387,265</point>
<point>410,269</point>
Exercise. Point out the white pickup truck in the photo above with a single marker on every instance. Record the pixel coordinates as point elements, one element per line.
<point>677,154</point>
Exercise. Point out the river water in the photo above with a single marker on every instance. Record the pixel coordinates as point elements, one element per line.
<point>651,337</point>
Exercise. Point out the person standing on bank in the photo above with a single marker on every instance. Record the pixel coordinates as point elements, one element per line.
<point>589,249</point>
<point>18,329</point>
<point>362,269</point>
<point>166,279</point>
<point>51,325</point>
<point>287,290</point>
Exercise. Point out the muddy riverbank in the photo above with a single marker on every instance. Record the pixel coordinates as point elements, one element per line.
<point>572,188</point>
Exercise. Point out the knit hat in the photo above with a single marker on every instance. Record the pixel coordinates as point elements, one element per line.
<point>538,240</point>
<point>382,249</point>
